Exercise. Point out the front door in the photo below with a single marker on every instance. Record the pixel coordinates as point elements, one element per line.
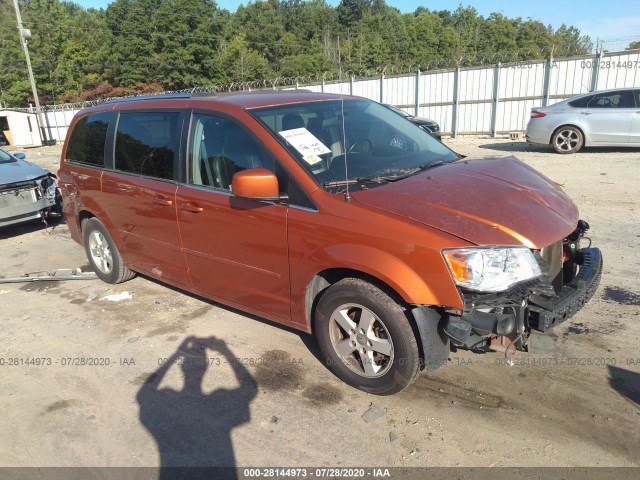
<point>608,117</point>
<point>236,248</point>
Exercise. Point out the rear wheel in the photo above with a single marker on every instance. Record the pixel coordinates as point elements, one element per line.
<point>567,139</point>
<point>103,254</point>
<point>366,338</point>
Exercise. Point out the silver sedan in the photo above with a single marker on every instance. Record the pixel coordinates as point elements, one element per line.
<point>609,118</point>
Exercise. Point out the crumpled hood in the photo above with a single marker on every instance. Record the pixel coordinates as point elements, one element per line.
<point>499,201</point>
<point>19,171</point>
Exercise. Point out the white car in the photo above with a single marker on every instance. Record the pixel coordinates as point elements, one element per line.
<point>609,118</point>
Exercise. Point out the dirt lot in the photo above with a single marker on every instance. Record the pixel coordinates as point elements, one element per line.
<point>265,398</point>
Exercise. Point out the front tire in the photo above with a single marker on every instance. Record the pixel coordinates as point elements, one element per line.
<point>567,139</point>
<point>366,338</point>
<point>103,254</point>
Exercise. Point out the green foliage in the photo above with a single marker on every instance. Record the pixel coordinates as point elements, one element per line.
<point>141,46</point>
<point>633,45</point>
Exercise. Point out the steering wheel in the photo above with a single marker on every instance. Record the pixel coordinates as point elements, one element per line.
<point>397,142</point>
<point>361,142</point>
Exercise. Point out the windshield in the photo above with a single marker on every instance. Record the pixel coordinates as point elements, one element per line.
<point>376,145</point>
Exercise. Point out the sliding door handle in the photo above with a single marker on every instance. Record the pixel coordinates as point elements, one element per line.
<point>191,207</point>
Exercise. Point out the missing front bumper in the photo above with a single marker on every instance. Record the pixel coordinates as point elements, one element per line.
<point>547,311</point>
<point>530,306</point>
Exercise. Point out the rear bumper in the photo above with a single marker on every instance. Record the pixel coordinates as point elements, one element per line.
<point>537,134</point>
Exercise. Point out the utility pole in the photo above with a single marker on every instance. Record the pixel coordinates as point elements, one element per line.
<point>339,60</point>
<point>24,36</point>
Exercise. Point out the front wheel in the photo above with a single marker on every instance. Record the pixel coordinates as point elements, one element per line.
<point>366,338</point>
<point>567,139</point>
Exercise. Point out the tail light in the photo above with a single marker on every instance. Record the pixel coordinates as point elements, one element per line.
<point>537,114</point>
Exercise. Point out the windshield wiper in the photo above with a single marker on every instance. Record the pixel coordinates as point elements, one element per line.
<point>356,181</point>
<point>420,168</point>
<point>384,178</point>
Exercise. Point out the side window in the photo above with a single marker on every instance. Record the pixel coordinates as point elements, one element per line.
<point>147,143</point>
<point>612,100</point>
<point>581,102</point>
<point>636,95</point>
<point>219,149</point>
<point>86,144</point>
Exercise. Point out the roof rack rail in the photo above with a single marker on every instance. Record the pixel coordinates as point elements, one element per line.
<point>150,97</point>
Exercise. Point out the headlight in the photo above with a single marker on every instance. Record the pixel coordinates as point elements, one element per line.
<point>491,269</point>
<point>46,182</point>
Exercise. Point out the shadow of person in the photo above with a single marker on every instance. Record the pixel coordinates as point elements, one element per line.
<point>626,383</point>
<point>193,428</point>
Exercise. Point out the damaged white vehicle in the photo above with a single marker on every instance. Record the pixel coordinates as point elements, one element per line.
<point>27,191</point>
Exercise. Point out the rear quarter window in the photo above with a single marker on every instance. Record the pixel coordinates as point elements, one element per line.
<point>581,102</point>
<point>86,144</point>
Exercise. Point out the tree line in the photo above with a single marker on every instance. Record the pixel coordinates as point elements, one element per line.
<point>144,46</point>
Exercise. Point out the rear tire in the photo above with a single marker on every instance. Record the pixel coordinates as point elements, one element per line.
<point>567,139</point>
<point>102,253</point>
<point>366,338</point>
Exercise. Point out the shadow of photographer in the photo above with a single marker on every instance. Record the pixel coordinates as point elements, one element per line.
<point>192,428</point>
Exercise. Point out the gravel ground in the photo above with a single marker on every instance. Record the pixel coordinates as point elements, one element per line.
<point>265,398</point>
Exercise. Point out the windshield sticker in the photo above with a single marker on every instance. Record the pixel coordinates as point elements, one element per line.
<point>306,143</point>
<point>312,159</point>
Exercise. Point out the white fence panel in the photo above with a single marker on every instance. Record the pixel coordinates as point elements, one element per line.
<point>476,84</point>
<point>437,87</point>
<point>571,77</point>
<point>521,80</point>
<point>619,71</point>
<point>341,88</point>
<point>474,117</point>
<point>401,91</point>
<point>367,88</point>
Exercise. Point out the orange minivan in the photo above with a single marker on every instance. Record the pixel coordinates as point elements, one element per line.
<point>331,214</point>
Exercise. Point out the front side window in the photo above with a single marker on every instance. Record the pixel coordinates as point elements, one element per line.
<point>147,143</point>
<point>621,99</point>
<point>219,149</point>
<point>86,144</point>
<point>357,142</point>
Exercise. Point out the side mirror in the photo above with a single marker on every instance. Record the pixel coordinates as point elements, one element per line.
<point>256,183</point>
<point>20,156</point>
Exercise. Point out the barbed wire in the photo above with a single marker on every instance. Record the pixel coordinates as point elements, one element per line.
<point>462,60</point>
<point>329,77</point>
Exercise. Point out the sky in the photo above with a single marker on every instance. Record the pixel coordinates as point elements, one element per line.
<point>616,22</point>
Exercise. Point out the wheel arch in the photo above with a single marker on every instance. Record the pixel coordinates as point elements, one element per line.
<point>85,213</point>
<point>324,279</point>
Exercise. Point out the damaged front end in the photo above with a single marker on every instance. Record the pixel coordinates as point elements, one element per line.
<point>568,276</point>
<point>38,198</point>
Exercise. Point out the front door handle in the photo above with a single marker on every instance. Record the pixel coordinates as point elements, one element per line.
<point>585,113</point>
<point>162,201</point>
<point>191,207</point>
